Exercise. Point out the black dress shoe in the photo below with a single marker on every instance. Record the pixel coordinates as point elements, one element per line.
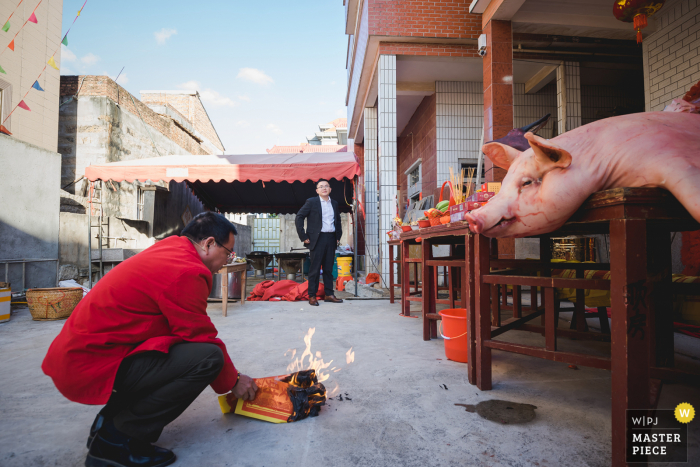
<point>111,448</point>
<point>96,425</point>
<point>332,299</point>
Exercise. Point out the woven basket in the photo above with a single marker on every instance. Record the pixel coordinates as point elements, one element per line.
<point>434,221</point>
<point>54,303</point>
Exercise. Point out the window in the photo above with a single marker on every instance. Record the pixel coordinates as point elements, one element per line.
<point>466,165</point>
<point>139,203</point>
<point>414,180</point>
<point>5,103</point>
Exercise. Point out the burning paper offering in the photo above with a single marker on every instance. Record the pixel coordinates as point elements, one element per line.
<point>280,399</point>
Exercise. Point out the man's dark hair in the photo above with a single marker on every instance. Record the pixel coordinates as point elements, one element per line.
<point>323,180</point>
<point>209,224</point>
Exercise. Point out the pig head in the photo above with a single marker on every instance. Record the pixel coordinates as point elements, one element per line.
<point>535,196</point>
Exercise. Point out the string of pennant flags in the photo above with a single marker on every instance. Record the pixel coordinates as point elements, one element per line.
<point>51,62</point>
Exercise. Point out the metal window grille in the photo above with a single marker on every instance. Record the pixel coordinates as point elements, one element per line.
<point>139,204</point>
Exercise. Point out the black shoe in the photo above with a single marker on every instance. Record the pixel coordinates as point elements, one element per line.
<point>111,448</point>
<point>96,425</point>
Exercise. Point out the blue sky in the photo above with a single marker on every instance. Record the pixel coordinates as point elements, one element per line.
<point>268,72</point>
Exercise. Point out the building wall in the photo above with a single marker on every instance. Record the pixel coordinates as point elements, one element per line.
<point>190,106</point>
<point>459,124</point>
<point>528,108</point>
<point>417,18</point>
<point>103,86</point>
<point>599,102</point>
<point>672,54</point>
<point>34,45</point>
<point>371,191</point>
<point>418,140</point>
<point>30,194</point>
<point>360,195</point>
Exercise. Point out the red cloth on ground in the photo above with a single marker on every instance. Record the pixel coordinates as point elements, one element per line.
<point>301,292</point>
<point>289,291</point>
<point>151,301</point>
<point>267,290</point>
<point>372,277</point>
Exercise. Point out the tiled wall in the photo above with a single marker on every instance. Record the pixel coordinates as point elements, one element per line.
<point>569,92</point>
<point>371,208</point>
<point>459,123</point>
<point>672,53</point>
<point>529,108</point>
<point>386,70</point>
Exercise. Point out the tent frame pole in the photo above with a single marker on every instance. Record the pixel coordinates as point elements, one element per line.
<point>354,223</point>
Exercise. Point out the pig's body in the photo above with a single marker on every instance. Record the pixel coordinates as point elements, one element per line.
<point>653,149</point>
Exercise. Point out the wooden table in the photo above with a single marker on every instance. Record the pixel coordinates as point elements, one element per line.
<point>224,271</point>
<point>392,261</point>
<point>460,271</point>
<point>639,221</point>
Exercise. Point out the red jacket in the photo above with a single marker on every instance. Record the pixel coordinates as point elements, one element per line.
<point>151,301</point>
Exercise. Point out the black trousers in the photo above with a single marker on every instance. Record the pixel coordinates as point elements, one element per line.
<point>153,388</point>
<point>323,254</point>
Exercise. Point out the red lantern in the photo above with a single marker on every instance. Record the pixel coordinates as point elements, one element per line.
<point>637,12</point>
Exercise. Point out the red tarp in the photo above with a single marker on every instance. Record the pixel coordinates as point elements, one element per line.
<point>288,291</point>
<point>262,183</point>
<point>241,168</point>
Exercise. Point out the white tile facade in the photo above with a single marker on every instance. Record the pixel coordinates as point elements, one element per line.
<point>672,53</point>
<point>528,108</point>
<point>387,154</point>
<point>459,119</point>
<point>371,193</point>
<point>569,95</point>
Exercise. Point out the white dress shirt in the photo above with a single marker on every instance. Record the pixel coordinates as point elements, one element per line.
<point>328,216</point>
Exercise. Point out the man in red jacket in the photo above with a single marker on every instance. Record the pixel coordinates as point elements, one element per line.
<point>141,343</point>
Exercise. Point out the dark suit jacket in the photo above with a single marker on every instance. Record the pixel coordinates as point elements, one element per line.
<point>313,212</point>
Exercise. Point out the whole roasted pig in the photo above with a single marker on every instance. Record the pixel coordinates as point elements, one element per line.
<point>547,183</point>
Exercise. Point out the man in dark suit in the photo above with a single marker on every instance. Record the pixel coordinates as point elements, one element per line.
<point>322,236</point>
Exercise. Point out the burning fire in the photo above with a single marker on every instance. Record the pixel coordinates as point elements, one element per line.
<point>314,360</point>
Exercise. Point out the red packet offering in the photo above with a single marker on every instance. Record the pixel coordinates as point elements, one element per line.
<point>280,399</point>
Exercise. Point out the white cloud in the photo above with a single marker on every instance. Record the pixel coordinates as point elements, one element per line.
<point>67,55</point>
<point>164,34</point>
<point>274,128</point>
<point>254,76</point>
<point>342,112</point>
<point>244,98</point>
<point>242,123</point>
<point>209,96</point>
<point>90,59</point>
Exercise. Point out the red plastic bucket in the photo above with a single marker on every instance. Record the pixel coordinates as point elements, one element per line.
<point>454,331</point>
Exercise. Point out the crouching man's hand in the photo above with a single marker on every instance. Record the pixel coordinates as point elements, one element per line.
<point>245,388</point>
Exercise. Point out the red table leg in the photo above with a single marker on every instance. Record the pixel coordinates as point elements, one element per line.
<point>630,349</point>
<point>405,282</point>
<point>482,312</point>
<point>391,273</point>
<point>469,296</point>
<point>429,292</point>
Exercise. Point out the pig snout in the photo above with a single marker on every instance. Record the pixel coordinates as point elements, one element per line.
<point>476,225</point>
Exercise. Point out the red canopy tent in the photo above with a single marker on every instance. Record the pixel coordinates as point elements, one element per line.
<point>265,183</point>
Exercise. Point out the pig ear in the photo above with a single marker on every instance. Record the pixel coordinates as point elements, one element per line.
<point>548,155</point>
<point>500,154</point>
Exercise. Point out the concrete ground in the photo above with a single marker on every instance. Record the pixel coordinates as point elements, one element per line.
<point>398,405</point>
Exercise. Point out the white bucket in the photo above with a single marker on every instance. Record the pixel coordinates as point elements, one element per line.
<point>5,298</point>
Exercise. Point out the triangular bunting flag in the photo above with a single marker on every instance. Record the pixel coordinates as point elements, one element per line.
<point>23,105</point>
<point>5,130</point>
<point>12,45</point>
<point>33,18</point>
<point>36,86</point>
<point>6,27</point>
<point>65,40</point>
<point>2,71</point>
<point>52,62</point>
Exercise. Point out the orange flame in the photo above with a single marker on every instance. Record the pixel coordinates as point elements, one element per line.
<point>314,362</point>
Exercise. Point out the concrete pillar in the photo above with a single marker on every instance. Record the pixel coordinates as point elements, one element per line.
<point>387,154</point>
<point>568,96</point>
<point>371,192</point>
<point>498,87</point>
